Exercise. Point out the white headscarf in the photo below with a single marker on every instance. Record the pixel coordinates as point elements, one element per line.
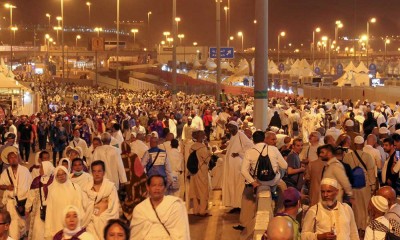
<point>67,232</point>
<point>69,163</point>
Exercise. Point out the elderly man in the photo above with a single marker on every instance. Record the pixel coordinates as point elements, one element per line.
<point>379,225</point>
<point>160,216</point>
<point>111,156</point>
<point>309,154</point>
<point>233,182</point>
<point>349,130</point>
<point>362,194</point>
<point>16,181</point>
<point>329,219</point>
<point>279,228</point>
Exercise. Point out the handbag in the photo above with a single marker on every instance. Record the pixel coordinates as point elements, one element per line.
<point>20,207</point>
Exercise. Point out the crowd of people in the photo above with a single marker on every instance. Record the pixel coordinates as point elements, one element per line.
<point>134,164</point>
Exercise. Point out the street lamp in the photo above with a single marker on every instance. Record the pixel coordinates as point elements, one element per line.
<point>195,44</point>
<point>317,30</point>
<point>170,40</point>
<point>166,34</point>
<point>9,6</point>
<point>89,4</point>
<point>387,41</point>
<point>14,29</point>
<point>372,20</point>
<point>58,20</point>
<point>177,20</point>
<point>338,24</point>
<point>76,40</point>
<point>148,28</point>
<point>181,36</point>
<point>240,34</point>
<point>57,29</point>
<point>98,30</point>
<point>282,34</point>
<point>230,39</point>
<point>226,24</point>
<point>134,31</point>
<point>49,17</point>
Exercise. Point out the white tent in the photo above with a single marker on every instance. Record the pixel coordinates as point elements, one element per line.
<point>243,68</point>
<point>196,64</point>
<point>353,79</point>
<point>350,67</point>
<point>210,64</point>
<point>272,68</point>
<point>361,68</point>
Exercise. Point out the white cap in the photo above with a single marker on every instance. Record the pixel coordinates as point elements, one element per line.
<point>359,140</point>
<point>383,130</point>
<point>350,109</point>
<point>234,123</point>
<point>330,181</point>
<point>380,203</point>
<point>349,123</point>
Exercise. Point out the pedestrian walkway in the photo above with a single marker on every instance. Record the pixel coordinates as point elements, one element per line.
<point>218,226</point>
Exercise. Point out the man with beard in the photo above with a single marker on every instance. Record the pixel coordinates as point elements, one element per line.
<point>389,174</point>
<point>329,219</point>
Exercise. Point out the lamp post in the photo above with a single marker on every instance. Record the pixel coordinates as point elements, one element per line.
<point>62,38</point>
<point>170,40</point>
<point>281,34</point>
<point>148,29</point>
<point>76,40</point>
<point>177,20</point>
<point>317,30</point>
<point>89,4</point>
<point>387,41</point>
<point>226,9</point>
<point>230,39</point>
<point>57,29</point>
<point>240,34</point>
<point>218,35</point>
<point>338,25</point>
<point>181,36</point>
<point>134,31</point>
<point>49,17</point>
<point>9,6</point>
<point>372,20</point>
<point>166,34</point>
<point>98,30</point>
<point>117,71</point>
<point>59,20</point>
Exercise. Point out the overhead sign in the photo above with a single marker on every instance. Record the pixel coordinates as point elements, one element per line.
<point>226,52</point>
<point>281,67</point>
<point>97,44</point>
<point>339,69</point>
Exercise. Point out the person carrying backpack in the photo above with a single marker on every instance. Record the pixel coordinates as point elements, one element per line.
<point>260,166</point>
<point>198,190</point>
<point>363,166</point>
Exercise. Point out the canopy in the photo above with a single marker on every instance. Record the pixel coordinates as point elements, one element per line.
<point>361,68</point>
<point>350,67</point>
<point>354,79</point>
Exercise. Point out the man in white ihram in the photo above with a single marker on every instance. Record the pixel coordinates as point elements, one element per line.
<point>329,219</point>
<point>160,217</point>
<point>112,159</point>
<point>233,182</point>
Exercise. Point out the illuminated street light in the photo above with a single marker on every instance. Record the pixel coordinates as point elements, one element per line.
<point>338,25</point>
<point>14,29</point>
<point>58,28</point>
<point>134,31</point>
<point>98,30</point>
<point>170,40</point>
<point>387,41</point>
<point>89,4</point>
<point>181,36</point>
<point>76,40</point>
<point>166,34</point>
<point>195,44</point>
<point>281,34</point>
<point>177,20</point>
<point>372,20</point>
<point>49,17</point>
<point>240,34</point>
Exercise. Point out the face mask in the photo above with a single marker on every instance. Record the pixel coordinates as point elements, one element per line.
<point>78,173</point>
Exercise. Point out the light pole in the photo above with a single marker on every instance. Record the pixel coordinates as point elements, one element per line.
<point>226,9</point>
<point>148,29</point>
<point>166,34</point>
<point>76,40</point>
<point>134,31</point>
<point>98,30</point>
<point>14,29</point>
<point>317,30</point>
<point>230,39</point>
<point>240,34</point>
<point>174,35</point>
<point>181,36</point>
<point>282,34</point>
<point>62,38</point>
<point>170,40</point>
<point>372,20</point>
<point>89,4</point>
<point>59,20</point>
<point>177,20</point>
<point>338,25</point>
<point>117,72</point>
<point>57,29</point>
<point>218,34</point>
<point>49,17</point>
<point>387,41</point>
<point>9,6</point>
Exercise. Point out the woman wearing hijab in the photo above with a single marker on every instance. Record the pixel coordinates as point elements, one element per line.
<point>62,193</point>
<point>72,229</point>
<point>65,162</point>
<point>369,124</point>
<point>37,200</point>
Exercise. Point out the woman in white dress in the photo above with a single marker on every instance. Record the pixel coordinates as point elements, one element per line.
<point>72,226</point>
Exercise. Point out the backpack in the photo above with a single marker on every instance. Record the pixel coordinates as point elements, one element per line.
<point>193,162</point>
<point>295,126</point>
<point>263,170</point>
<point>359,175</point>
<point>349,172</point>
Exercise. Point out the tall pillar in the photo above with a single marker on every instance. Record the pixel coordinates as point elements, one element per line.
<point>260,67</point>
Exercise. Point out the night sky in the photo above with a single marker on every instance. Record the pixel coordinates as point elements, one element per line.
<point>297,17</point>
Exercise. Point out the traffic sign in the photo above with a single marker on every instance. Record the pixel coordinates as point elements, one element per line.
<point>226,52</point>
<point>97,44</point>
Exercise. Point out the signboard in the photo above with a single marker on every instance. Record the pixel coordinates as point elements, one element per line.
<point>281,67</point>
<point>226,52</point>
<point>317,70</point>
<point>372,69</point>
<point>97,44</point>
<point>339,69</point>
